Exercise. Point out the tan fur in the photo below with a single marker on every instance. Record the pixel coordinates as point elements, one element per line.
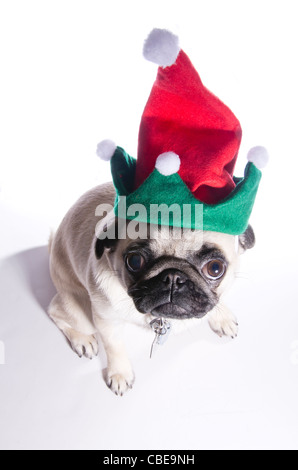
<point>91,294</point>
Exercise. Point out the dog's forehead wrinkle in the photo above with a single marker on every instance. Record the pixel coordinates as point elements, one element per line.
<point>221,241</point>
<point>167,244</point>
<point>139,245</point>
<point>170,262</point>
<point>172,245</point>
<point>209,251</point>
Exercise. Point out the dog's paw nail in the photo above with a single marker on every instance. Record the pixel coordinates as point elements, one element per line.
<point>224,325</point>
<point>119,384</point>
<point>84,345</point>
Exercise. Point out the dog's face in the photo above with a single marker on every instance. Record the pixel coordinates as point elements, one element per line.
<point>180,275</point>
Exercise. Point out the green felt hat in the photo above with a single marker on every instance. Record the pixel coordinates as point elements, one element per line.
<point>165,199</point>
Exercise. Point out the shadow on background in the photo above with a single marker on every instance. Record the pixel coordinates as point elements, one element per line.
<point>33,266</point>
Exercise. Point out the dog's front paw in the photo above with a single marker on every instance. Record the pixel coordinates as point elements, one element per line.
<point>120,383</point>
<point>223,322</point>
<point>83,345</point>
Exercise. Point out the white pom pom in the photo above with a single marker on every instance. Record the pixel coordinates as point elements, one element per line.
<point>168,163</point>
<point>161,47</point>
<point>259,156</point>
<point>106,149</point>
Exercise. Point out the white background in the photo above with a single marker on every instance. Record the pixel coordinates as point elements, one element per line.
<point>72,74</point>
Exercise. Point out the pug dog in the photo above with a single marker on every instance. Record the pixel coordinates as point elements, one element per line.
<point>102,283</point>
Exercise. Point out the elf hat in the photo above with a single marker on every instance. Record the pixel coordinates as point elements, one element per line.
<point>187,149</point>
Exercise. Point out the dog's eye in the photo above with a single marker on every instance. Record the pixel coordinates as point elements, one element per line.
<point>214,269</point>
<point>135,262</point>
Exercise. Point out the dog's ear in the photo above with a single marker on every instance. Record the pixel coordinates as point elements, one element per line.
<point>107,239</point>
<point>247,239</point>
<point>101,245</point>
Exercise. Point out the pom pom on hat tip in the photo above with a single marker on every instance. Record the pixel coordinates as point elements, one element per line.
<point>258,156</point>
<point>168,163</point>
<point>161,47</point>
<point>106,149</point>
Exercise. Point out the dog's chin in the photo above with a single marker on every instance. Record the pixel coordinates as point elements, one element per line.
<point>170,310</point>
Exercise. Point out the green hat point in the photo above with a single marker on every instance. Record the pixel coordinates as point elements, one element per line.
<point>166,200</point>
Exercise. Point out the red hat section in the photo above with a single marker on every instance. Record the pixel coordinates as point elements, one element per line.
<point>182,116</point>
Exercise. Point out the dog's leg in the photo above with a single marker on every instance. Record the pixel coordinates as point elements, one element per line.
<point>223,322</point>
<point>71,320</point>
<point>119,376</point>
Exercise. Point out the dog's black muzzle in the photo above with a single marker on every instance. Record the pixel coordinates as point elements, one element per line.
<point>172,294</point>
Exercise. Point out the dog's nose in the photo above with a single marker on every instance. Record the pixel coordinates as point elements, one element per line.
<point>174,280</point>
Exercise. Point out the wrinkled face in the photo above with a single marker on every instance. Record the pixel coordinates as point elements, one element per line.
<point>176,278</point>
